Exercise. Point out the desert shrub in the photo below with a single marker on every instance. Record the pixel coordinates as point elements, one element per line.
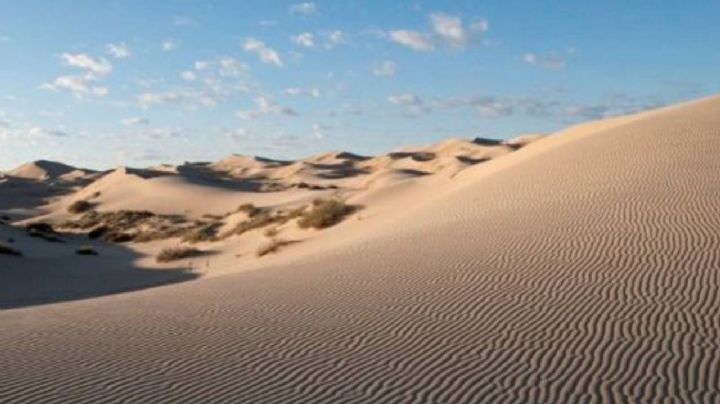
<point>206,232</point>
<point>255,222</point>
<point>80,206</point>
<point>270,247</point>
<point>129,225</point>
<point>43,231</point>
<point>41,227</point>
<point>283,217</point>
<point>7,250</point>
<point>86,250</point>
<point>271,232</point>
<point>249,209</point>
<point>97,232</point>
<point>324,213</point>
<point>177,253</point>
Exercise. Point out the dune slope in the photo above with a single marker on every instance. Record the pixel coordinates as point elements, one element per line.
<point>587,271</point>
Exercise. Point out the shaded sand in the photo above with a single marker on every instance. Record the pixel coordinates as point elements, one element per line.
<point>584,268</point>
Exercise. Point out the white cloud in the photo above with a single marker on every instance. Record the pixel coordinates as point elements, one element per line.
<point>169,45</point>
<point>266,54</point>
<point>135,121</point>
<point>550,61</point>
<point>118,50</point>
<point>415,40</point>
<point>306,8</point>
<point>98,67</point>
<point>264,106</point>
<point>305,39</point>
<point>405,99</point>
<point>480,26</point>
<point>413,104</point>
<point>188,75</point>
<point>230,67</point>
<point>385,69</point>
<point>78,85</point>
<point>201,65</point>
<point>449,28</point>
<point>38,131</point>
<point>310,92</point>
<point>189,97</point>
<point>334,38</point>
<point>320,130</point>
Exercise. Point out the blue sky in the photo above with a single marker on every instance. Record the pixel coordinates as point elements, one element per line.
<point>108,83</point>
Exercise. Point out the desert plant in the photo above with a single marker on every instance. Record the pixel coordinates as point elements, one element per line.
<point>7,250</point>
<point>324,213</point>
<point>177,253</point>
<point>80,206</point>
<point>206,232</point>
<point>271,246</point>
<point>271,232</point>
<point>43,231</point>
<point>249,209</point>
<point>86,250</point>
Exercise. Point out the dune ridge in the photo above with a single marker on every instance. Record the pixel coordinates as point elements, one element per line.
<point>584,268</point>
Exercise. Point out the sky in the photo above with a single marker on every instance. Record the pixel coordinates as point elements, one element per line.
<point>101,84</point>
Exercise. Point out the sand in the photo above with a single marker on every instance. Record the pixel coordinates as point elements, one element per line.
<point>582,268</point>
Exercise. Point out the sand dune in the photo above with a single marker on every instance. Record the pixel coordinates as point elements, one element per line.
<point>582,268</point>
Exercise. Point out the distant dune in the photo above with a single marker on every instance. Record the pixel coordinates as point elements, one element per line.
<point>579,267</point>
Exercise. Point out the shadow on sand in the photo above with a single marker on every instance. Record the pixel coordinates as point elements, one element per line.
<point>53,272</point>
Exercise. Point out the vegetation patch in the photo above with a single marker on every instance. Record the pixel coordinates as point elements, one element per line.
<point>271,247</point>
<point>170,254</point>
<point>206,232</point>
<point>249,209</point>
<point>325,213</point>
<point>129,225</point>
<point>43,231</point>
<point>7,250</point>
<point>263,219</point>
<point>86,250</point>
<point>80,206</point>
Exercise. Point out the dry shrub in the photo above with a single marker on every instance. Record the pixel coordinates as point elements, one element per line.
<point>7,250</point>
<point>129,225</point>
<point>86,250</point>
<point>271,247</point>
<point>263,219</point>
<point>80,206</point>
<point>206,232</point>
<point>249,209</point>
<point>177,253</point>
<point>271,232</point>
<point>43,231</point>
<point>324,213</point>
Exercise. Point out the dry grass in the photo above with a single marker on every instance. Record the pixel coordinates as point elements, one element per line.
<point>170,254</point>
<point>80,206</point>
<point>271,232</point>
<point>86,250</point>
<point>324,213</point>
<point>206,232</point>
<point>249,209</point>
<point>43,231</point>
<point>7,250</point>
<point>271,247</point>
<point>263,219</point>
<point>129,225</point>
